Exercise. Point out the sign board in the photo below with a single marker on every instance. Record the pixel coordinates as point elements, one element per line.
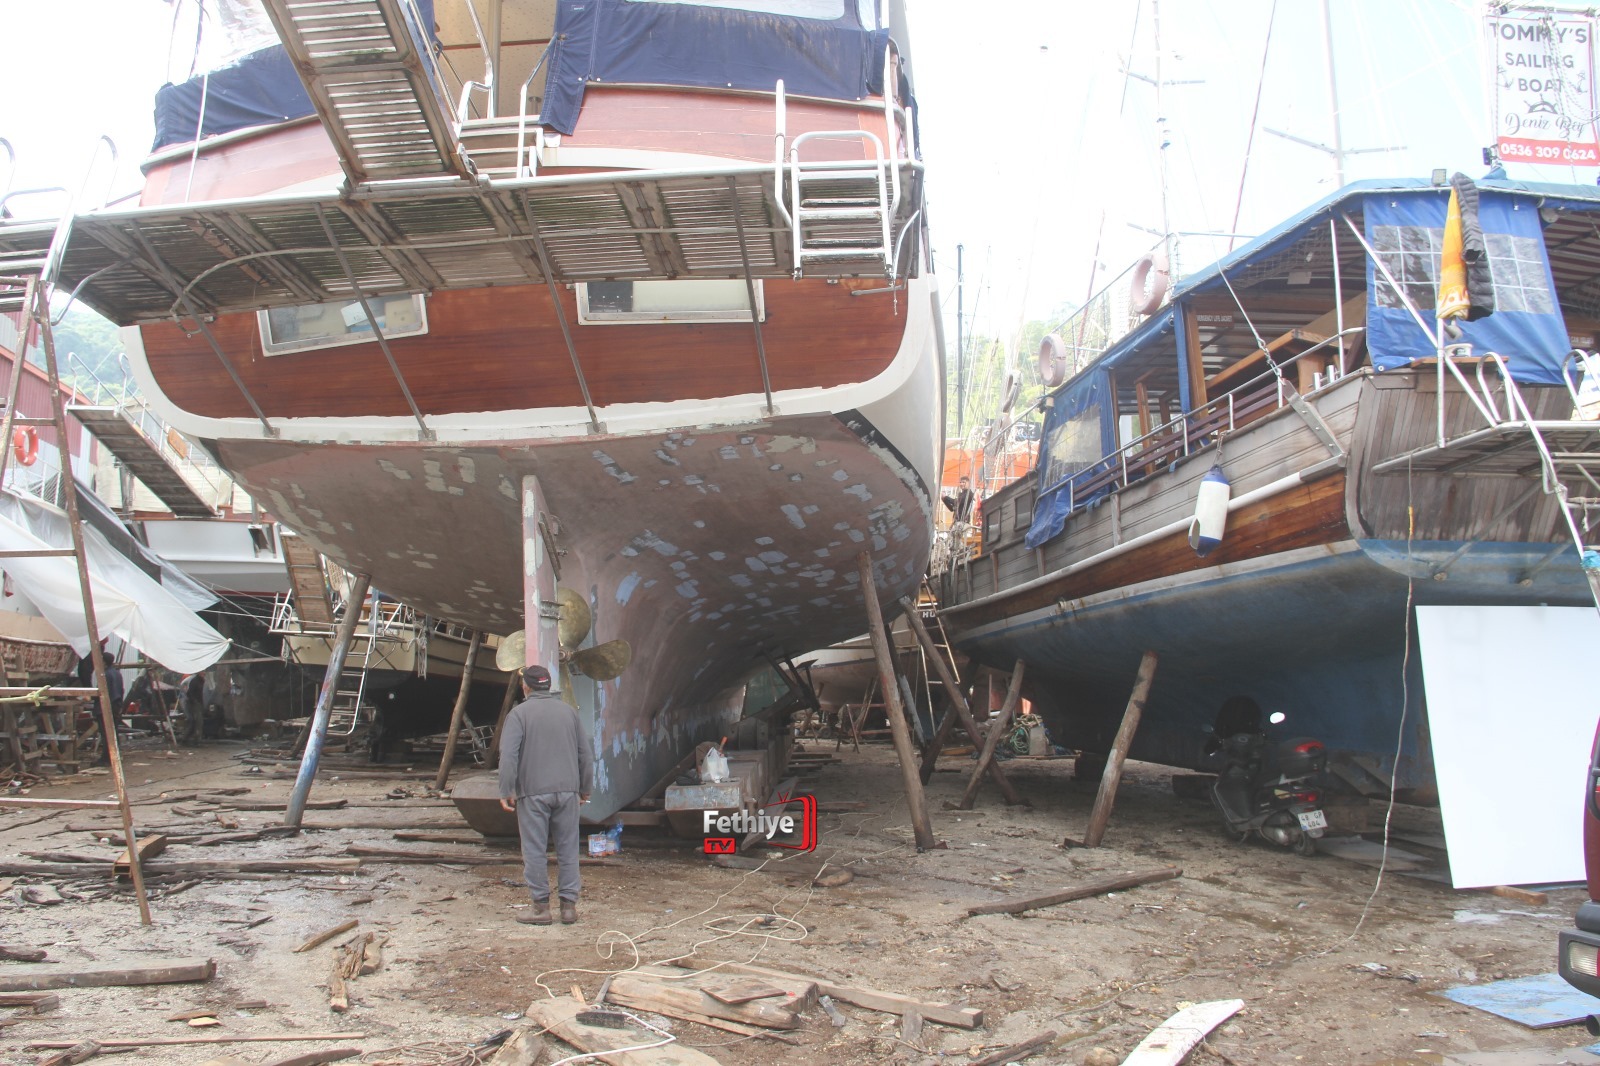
<point>1544,92</point>
<point>1511,714</point>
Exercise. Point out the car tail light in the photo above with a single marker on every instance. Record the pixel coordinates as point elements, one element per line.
<point>1583,958</point>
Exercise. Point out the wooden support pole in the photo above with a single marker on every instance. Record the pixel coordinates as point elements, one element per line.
<point>899,728</point>
<point>330,687</point>
<point>513,687</point>
<point>459,712</point>
<point>1107,795</point>
<point>991,738</point>
<point>962,707</point>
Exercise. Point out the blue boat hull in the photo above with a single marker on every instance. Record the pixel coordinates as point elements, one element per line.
<point>1319,633</point>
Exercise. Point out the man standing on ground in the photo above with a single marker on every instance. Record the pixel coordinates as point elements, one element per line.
<point>546,771</point>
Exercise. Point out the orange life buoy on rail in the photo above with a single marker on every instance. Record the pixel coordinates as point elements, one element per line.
<point>25,444</point>
<point>1148,286</point>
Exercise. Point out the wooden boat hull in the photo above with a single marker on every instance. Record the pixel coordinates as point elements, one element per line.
<point>1303,607</point>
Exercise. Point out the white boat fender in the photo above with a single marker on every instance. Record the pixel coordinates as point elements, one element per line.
<point>1148,286</point>
<point>1210,512</point>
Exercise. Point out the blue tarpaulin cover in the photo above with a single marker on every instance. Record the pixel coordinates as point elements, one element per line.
<point>711,47</point>
<point>1526,327</point>
<point>1539,1002</point>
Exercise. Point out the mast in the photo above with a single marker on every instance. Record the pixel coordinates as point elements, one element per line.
<point>1333,94</point>
<point>1165,136</point>
<point>960,346</point>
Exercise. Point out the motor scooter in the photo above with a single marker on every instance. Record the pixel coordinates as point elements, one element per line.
<point>1263,788</point>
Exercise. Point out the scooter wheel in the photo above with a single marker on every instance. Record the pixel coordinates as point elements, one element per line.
<point>1305,844</point>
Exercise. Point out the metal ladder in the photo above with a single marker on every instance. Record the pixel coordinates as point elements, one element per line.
<point>350,694</point>
<point>1565,452</point>
<point>841,212</point>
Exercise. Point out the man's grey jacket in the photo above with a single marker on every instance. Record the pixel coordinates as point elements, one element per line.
<point>545,749</point>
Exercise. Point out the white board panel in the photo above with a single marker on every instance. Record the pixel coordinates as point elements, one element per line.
<point>1512,706</point>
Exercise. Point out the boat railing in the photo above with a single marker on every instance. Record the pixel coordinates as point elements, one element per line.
<point>1588,372</point>
<point>191,461</point>
<point>1195,431</point>
<point>528,155</point>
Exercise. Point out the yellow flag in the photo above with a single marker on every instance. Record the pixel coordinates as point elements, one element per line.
<point>1453,301</point>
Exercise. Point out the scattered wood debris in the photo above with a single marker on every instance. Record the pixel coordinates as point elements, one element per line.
<point>327,934</point>
<point>32,1002</point>
<point>10,954</point>
<point>174,1041</point>
<point>522,1048</point>
<point>357,957</point>
<point>176,972</point>
<point>559,1016</point>
<point>870,998</point>
<point>1168,1043</point>
<point>1017,1052</point>
<point>1093,888</point>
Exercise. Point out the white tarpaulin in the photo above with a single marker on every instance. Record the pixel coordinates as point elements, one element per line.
<point>1511,713</point>
<point>127,602</point>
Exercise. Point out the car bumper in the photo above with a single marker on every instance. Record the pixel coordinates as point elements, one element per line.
<point>1579,951</point>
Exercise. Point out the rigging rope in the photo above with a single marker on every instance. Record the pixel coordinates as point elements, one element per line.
<point>1255,115</point>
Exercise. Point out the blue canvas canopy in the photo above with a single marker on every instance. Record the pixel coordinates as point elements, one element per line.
<point>1526,327</point>
<point>661,43</point>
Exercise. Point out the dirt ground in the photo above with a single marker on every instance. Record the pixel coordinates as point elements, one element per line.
<point>1278,930</point>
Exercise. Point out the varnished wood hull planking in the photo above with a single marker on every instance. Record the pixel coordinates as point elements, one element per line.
<point>502,349</point>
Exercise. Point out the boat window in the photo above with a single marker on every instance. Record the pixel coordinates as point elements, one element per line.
<point>299,329</point>
<point>805,9</point>
<point>1411,253</point>
<point>612,302</point>
<point>1024,509</point>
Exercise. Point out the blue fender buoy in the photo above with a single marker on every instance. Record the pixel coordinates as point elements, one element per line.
<point>1210,512</point>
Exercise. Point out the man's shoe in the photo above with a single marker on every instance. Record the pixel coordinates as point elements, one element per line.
<point>569,912</point>
<point>540,914</point>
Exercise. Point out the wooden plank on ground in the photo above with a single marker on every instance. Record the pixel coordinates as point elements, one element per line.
<point>1084,891</point>
<point>327,935</point>
<point>173,1041</point>
<point>1174,1038</point>
<point>559,1016</point>
<point>33,978</point>
<point>662,996</point>
<point>149,847</point>
<point>870,998</point>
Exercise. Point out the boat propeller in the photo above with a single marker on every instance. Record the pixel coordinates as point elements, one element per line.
<point>603,662</point>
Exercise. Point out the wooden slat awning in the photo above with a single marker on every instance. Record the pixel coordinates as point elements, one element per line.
<point>149,264</point>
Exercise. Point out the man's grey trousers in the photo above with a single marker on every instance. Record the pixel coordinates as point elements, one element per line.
<point>541,822</point>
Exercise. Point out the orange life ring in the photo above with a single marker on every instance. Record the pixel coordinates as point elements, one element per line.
<point>25,444</point>
<point>1148,286</point>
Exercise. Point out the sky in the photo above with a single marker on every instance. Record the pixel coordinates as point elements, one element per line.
<point>1039,148</point>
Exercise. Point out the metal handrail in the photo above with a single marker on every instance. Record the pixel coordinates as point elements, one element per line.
<point>1191,424</point>
<point>11,168</point>
<point>890,107</point>
<point>781,118</point>
<point>879,163</point>
<point>522,111</point>
<point>1591,370</point>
